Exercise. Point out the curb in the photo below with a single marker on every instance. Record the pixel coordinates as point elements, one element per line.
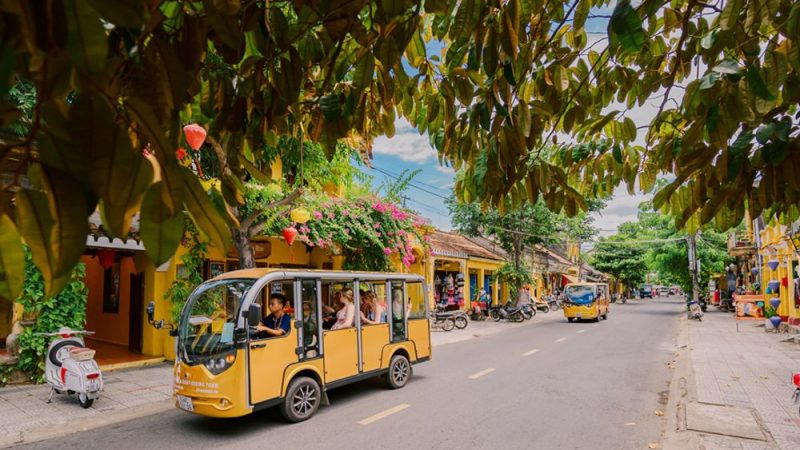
<point>61,430</point>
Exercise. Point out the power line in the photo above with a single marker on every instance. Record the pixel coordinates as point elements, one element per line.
<point>413,181</point>
<point>410,183</point>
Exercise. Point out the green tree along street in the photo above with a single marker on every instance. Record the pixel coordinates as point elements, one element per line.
<point>514,77</point>
<point>520,228</point>
<point>653,244</point>
<point>621,256</point>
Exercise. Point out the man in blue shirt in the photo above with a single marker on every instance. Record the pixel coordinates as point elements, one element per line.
<point>278,322</point>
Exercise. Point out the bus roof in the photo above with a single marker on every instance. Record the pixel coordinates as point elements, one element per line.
<point>261,272</point>
<point>589,283</point>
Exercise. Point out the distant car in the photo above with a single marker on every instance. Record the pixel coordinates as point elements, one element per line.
<point>663,292</point>
<point>646,292</point>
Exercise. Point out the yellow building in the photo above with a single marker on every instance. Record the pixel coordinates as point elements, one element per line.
<point>779,266</point>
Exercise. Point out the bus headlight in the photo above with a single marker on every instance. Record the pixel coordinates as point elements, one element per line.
<point>218,363</point>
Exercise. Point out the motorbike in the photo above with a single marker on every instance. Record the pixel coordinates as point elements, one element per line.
<point>796,395</point>
<point>70,367</point>
<point>528,311</point>
<point>694,310</point>
<point>459,318</point>
<point>554,303</point>
<point>542,306</point>
<point>703,303</point>
<point>506,312</point>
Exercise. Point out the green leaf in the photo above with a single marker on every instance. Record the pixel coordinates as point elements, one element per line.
<point>161,230</point>
<point>625,27</point>
<point>730,14</point>
<point>204,214</point>
<point>12,260</point>
<point>728,67</point>
<point>86,41</point>
<point>708,80</point>
<point>757,85</point>
<point>363,74</point>
<point>738,153</point>
<point>709,39</point>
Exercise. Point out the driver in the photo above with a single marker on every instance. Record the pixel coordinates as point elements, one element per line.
<point>278,322</point>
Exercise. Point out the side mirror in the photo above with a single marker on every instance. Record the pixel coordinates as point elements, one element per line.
<point>254,315</point>
<point>151,311</point>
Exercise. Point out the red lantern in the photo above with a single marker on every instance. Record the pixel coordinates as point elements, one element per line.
<point>195,135</point>
<point>106,258</point>
<point>289,233</point>
<point>180,153</point>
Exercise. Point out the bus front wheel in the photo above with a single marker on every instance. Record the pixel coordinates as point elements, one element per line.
<point>399,372</point>
<point>302,399</point>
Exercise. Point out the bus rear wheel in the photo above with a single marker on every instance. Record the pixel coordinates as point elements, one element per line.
<point>302,399</point>
<point>399,372</point>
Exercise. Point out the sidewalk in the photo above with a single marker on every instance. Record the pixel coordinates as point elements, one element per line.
<point>481,328</point>
<point>737,389</point>
<point>26,417</point>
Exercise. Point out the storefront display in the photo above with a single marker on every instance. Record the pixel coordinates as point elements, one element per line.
<point>449,289</point>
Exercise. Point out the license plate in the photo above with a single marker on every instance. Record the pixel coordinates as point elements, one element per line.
<point>185,403</point>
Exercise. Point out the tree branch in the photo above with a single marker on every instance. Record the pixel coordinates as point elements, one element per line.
<point>249,221</point>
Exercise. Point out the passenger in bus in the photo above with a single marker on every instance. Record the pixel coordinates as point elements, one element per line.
<point>329,313</point>
<point>346,314</point>
<point>278,323</point>
<point>371,311</point>
<point>309,325</point>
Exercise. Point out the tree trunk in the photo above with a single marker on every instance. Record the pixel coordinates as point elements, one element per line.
<point>517,255</point>
<point>241,240</point>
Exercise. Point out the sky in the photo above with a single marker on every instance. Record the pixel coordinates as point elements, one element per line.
<point>408,150</point>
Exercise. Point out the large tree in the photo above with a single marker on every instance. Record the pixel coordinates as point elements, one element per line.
<point>621,256</point>
<point>513,76</point>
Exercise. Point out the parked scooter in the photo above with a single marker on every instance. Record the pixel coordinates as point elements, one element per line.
<point>506,312</point>
<point>542,306</point>
<point>459,317</point>
<point>553,303</point>
<point>528,312</point>
<point>70,367</point>
<point>694,310</point>
<point>796,395</point>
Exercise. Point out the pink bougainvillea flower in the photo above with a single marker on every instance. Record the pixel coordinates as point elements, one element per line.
<point>331,215</point>
<point>412,258</point>
<point>346,213</point>
<point>317,215</point>
<point>180,153</point>
<point>377,225</point>
<point>378,233</point>
<point>387,251</point>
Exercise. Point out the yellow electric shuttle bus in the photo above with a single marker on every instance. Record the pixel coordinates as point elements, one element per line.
<point>586,301</point>
<point>224,368</point>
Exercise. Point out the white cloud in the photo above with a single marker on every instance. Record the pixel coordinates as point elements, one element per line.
<point>447,170</point>
<point>407,144</point>
<point>622,208</point>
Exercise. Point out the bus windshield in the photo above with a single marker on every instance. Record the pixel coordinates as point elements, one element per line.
<point>209,318</point>
<point>580,295</point>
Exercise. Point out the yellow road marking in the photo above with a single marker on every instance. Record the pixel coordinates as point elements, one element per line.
<point>536,350</point>
<point>481,373</point>
<point>383,414</point>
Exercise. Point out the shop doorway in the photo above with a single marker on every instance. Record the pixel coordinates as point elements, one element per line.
<point>136,316</point>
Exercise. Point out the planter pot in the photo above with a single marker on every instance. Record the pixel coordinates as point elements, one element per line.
<point>774,286</point>
<point>773,264</point>
<point>776,320</point>
<point>768,326</point>
<point>775,302</point>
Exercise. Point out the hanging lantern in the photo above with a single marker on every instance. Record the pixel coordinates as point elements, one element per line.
<point>754,271</point>
<point>106,258</point>
<point>776,320</point>
<point>775,302</point>
<point>289,234</point>
<point>773,264</point>
<point>195,135</point>
<point>774,286</point>
<point>300,215</point>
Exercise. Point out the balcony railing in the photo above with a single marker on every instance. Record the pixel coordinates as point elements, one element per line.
<point>741,243</point>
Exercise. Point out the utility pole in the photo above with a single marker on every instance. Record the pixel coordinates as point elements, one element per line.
<point>694,265</point>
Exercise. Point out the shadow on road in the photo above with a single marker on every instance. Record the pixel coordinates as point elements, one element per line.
<point>264,420</point>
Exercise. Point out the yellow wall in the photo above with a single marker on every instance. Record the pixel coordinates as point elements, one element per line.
<point>776,245</point>
<point>108,327</point>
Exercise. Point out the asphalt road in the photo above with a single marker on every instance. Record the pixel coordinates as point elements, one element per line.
<point>549,385</point>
